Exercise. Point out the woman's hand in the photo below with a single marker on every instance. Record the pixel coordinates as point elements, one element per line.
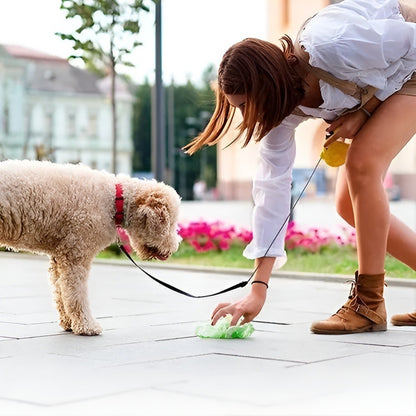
<point>248,307</point>
<point>346,127</point>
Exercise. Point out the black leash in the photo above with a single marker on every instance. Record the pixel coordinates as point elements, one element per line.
<point>175,289</point>
<point>238,285</point>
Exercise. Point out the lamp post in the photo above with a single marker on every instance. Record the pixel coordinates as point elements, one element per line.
<point>158,107</point>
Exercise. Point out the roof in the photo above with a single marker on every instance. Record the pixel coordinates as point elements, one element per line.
<point>51,73</point>
<point>62,77</point>
<point>122,87</point>
<point>21,52</point>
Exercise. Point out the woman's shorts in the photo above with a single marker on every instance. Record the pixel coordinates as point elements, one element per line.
<point>409,14</point>
<point>409,87</point>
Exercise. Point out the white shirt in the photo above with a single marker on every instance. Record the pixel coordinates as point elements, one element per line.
<point>365,41</point>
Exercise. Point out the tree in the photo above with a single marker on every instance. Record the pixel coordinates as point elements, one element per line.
<point>106,35</point>
<point>192,107</point>
<point>142,129</point>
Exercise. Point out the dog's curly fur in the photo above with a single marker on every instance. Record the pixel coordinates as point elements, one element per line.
<point>67,212</point>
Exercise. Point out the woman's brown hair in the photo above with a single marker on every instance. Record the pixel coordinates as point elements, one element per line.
<point>266,75</point>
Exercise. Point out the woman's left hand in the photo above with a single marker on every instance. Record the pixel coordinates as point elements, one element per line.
<point>346,127</point>
<point>247,308</point>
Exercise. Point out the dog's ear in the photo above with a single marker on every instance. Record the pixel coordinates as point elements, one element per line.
<point>153,213</point>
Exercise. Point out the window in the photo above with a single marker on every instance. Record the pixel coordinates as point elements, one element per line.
<point>48,126</point>
<point>92,125</point>
<point>70,124</point>
<point>6,119</point>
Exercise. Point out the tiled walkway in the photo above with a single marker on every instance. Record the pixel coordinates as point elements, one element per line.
<point>148,360</point>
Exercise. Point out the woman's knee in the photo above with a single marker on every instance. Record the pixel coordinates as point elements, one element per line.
<point>362,170</point>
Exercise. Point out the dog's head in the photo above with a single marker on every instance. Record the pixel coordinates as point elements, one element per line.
<point>152,223</point>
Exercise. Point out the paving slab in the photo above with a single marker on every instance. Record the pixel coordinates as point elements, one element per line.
<point>148,361</point>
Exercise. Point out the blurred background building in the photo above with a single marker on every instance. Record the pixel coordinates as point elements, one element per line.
<point>52,110</point>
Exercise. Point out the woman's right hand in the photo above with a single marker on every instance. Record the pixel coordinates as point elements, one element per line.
<point>348,125</point>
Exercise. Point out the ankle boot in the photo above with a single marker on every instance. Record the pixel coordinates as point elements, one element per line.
<point>364,311</point>
<point>404,319</point>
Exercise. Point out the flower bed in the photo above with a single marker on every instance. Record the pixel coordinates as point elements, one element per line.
<point>206,236</point>
<point>315,239</point>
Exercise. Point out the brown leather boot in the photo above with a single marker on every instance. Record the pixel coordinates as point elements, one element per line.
<point>404,319</point>
<point>364,311</point>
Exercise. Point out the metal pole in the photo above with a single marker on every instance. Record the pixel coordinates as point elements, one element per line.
<point>158,136</point>
<point>171,133</point>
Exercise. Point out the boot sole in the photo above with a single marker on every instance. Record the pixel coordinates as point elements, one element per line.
<point>369,328</point>
<point>403,323</point>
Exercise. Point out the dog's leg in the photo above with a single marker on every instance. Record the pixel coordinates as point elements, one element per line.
<point>73,288</point>
<point>64,320</point>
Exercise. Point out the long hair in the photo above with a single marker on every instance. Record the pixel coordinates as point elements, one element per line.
<point>266,75</point>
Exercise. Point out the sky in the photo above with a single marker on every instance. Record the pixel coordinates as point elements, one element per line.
<point>195,33</point>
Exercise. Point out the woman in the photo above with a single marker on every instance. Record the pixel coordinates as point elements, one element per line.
<point>352,65</point>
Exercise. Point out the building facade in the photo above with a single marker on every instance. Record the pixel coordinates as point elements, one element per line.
<point>236,166</point>
<point>51,110</point>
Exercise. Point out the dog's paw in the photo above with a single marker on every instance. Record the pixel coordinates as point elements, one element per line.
<point>92,328</point>
<point>65,324</point>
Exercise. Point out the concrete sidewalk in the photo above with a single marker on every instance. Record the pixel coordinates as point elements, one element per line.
<point>148,361</point>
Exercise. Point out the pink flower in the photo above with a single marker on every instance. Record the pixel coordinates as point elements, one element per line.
<point>224,245</point>
<point>314,239</point>
<point>205,236</point>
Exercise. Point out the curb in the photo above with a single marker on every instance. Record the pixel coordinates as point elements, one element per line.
<point>322,277</point>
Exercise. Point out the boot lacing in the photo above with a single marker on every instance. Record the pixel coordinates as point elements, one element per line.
<point>354,300</point>
<point>354,293</point>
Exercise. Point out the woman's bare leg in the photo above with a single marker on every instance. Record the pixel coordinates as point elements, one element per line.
<point>401,239</point>
<point>369,157</point>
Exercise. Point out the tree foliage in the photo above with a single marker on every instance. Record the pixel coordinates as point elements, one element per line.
<point>192,107</point>
<point>106,34</point>
<point>107,30</point>
<point>142,129</point>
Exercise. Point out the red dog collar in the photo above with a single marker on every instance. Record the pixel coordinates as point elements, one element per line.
<point>119,203</point>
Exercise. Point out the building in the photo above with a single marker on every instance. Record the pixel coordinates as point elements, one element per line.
<point>236,166</point>
<point>52,110</point>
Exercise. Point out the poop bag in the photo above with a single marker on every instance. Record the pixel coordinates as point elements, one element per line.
<point>223,330</point>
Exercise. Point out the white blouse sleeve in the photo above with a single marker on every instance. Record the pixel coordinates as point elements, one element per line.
<point>272,191</point>
<point>367,42</point>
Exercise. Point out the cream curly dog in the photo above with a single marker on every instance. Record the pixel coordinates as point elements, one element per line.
<point>70,213</point>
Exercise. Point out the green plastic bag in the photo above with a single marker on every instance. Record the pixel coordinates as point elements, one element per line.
<point>223,330</point>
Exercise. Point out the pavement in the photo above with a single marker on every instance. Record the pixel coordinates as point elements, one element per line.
<point>148,361</point>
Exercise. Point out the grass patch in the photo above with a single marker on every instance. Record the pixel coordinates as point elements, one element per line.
<point>331,259</point>
<point>339,260</point>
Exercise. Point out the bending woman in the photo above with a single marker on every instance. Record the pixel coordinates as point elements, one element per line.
<point>360,77</point>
